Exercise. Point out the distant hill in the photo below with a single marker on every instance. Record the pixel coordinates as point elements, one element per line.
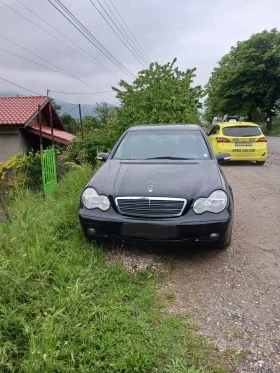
<point>65,108</point>
<point>9,94</point>
<point>73,110</point>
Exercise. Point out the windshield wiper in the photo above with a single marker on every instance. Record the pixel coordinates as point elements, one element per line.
<point>176,158</point>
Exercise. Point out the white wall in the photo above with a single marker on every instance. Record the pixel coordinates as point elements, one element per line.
<point>10,143</point>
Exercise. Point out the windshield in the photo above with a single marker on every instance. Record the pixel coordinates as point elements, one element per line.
<point>162,144</point>
<point>242,131</point>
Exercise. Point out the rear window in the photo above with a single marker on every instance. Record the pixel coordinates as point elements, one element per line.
<point>242,131</point>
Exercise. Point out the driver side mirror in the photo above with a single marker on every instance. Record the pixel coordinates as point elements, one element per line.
<point>223,157</point>
<point>102,157</point>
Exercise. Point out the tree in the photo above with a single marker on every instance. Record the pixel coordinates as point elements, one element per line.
<point>105,113</point>
<point>70,124</point>
<point>160,94</point>
<point>90,122</point>
<point>247,79</point>
<point>99,134</point>
<point>55,105</point>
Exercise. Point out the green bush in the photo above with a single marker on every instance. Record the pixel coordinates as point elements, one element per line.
<point>275,127</point>
<point>25,171</point>
<point>34,170</point>
<point>13,173</point>
<point>85,150</point>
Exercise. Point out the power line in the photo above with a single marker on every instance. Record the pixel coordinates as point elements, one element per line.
<point>97,63</point>
<point>27,59</point>
<point>138,56</point>
<point>75,103</point>
<point>38,94</point>
<point>91,38</point>
<point>55,37</point>
<point>49,68</point>
<point>69,111</point>
<point>29,51</point>
<point>128,29</point>
<point>80,93</point>
<point>17,85</point>
<point>131,41</point>
<point>66,102</point>
<point>72,103</point>
<point>97,43</point>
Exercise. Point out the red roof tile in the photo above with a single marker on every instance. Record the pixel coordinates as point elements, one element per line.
<point>15,111</point>
<point>59,136</point>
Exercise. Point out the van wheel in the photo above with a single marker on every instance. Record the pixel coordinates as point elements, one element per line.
<point>260,163</point>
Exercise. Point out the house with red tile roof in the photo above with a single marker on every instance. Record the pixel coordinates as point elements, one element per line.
<point>20,121</point>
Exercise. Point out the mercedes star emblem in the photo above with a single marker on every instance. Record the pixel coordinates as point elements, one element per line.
<point>150,186</point>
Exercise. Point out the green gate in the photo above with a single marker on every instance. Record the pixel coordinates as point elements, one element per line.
<point>48,170</point>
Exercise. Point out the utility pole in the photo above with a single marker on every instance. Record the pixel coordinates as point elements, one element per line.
<point>81,122</point>
<point>48,90</point>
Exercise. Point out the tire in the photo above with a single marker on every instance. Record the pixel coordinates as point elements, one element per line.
<point>223,245</point>
<point>260,163</point>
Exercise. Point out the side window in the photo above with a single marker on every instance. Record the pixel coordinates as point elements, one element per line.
<point>214,131</point>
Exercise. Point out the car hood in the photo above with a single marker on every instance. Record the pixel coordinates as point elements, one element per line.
<point>170,179</point>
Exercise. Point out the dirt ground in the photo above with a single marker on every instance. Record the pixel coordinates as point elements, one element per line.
<point>234,295</point>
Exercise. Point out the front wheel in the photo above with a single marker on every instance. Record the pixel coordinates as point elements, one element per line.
<point>223,245</point>
<point>260,163</point>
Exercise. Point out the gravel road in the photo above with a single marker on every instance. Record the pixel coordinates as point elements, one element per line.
<point>234,295</point>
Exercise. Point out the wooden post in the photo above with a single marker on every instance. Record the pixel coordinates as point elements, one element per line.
<point>40,125</point>
<point>51,121</point>
<point>81,122</point>
<point>39,120</point>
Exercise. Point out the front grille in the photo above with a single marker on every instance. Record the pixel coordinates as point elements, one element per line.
<point>150,207</point>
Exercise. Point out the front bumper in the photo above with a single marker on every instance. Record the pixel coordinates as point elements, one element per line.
<point>190,228</point>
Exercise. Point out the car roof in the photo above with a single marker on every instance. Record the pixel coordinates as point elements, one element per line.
<point>234,124</point>
<point>148,127</point>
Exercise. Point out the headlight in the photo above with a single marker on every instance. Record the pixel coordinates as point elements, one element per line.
<point>91,200</point>
<point>215,203</point>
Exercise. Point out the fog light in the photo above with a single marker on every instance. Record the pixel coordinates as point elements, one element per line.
<point>91,231</point>
<point>214,236</point>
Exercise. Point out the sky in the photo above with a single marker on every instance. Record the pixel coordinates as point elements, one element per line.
<point>197,32</point>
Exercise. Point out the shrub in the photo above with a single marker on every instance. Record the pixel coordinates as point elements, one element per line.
<point>22,171</point>
<point>85,150</point>
<point>13,172</point>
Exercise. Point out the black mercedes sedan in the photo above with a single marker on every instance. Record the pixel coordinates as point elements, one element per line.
<point>160,183</point>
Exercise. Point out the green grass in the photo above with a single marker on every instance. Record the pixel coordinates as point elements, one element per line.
<point>63,308</point>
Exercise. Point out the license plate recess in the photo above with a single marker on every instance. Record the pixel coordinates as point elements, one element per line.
<point>149,231</point>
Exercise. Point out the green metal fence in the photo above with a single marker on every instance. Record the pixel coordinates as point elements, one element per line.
<point>48,170</point>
